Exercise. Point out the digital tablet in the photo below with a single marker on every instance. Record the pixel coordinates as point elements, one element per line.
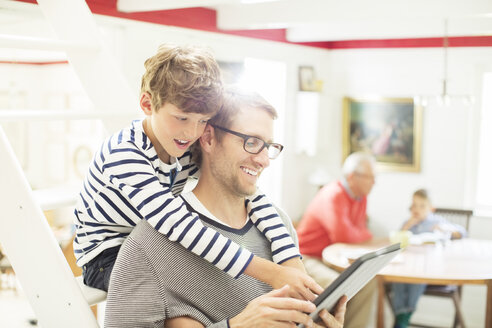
<point>356,276</point>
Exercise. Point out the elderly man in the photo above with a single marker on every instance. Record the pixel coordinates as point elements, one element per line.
<point>337,214</point>
<point>157,282</point>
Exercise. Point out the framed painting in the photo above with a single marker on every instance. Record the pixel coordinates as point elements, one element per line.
<point>388,128</point>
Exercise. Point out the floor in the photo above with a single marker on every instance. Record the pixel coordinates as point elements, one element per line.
<point>15,311</point>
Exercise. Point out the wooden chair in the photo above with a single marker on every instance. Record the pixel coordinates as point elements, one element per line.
<point>461,217</point>
<point>458,216</point>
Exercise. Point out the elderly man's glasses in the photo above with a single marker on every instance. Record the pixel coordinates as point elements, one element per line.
<point>254,145</point>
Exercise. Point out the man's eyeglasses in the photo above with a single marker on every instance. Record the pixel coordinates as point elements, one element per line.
<point>254,145</point>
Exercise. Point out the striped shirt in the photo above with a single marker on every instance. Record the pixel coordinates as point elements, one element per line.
<point>127,182</point>
<point>154,279</point>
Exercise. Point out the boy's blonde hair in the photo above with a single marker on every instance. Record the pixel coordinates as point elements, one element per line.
<point>185,76</point>
<point>422,193</point>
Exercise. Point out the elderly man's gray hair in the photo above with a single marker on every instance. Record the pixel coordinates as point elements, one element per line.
<point>354,161</point>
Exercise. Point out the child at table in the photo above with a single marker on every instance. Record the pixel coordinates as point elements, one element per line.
<point>405,296</point>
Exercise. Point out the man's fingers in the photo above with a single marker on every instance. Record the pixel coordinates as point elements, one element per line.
<point>293,316</point>
<point>289,303</point>
<point>281,292</point>
<point>285,310</point>
<point>329,320</point>
<point>336,321</point>
<point>340,309</point>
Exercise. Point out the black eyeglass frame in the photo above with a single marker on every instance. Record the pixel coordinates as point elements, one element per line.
<point>245,137</point>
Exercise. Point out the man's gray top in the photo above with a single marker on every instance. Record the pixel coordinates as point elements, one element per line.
<point>155,279</point>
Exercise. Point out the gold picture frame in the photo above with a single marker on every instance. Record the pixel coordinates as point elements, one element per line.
<point>388,128</point>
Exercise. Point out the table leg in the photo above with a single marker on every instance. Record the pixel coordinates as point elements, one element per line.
<point>488,311</point>
<point>380,306</point>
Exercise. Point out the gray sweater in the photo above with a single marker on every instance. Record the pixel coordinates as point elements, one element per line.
<point>155,279</point>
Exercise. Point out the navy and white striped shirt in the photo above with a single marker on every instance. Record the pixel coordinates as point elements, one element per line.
<point>127,182</point>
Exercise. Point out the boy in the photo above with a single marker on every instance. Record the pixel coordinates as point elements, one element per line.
<point>406,296</point>
<point>139,170</point>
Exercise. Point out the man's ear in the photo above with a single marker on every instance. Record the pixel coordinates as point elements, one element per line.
<point>146,103</point>
<point>207,140</point>
<point>350,178</point>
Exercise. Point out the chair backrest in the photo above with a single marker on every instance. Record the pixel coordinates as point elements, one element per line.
<point>458,216</point>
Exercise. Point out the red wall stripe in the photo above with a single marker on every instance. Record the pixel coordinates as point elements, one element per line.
<point>33,63</point>
<point>206,20</point>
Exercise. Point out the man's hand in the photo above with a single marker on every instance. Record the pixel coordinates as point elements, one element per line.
<point>330,321</point>
<point>274,309</point>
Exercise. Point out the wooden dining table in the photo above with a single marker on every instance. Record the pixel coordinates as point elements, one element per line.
<point>456,262</point>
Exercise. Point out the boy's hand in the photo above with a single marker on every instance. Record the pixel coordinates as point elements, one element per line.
<point>410,223</point>
<point>301,285</point>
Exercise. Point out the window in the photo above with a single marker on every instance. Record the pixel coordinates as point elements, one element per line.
<point>484,175</point>
<point>268,78</point>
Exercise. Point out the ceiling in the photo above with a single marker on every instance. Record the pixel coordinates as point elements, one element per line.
<point>327,24</point>
<point>335,20</point>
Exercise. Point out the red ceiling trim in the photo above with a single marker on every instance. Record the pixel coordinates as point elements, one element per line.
<point>458,41</point>
<point>17,62</point>
<point>206,20</point>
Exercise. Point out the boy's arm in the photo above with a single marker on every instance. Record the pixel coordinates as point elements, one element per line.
<point>302,286</point>
<point>409,223</point>
<point>134,178</point>
<point>265,217</point>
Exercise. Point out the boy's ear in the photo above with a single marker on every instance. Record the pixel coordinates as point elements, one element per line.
<point>146,103</point>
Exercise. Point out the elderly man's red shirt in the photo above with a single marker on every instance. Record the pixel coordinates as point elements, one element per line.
<point>333,216</point>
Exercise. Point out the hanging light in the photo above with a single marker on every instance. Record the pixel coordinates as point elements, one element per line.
<point>444,99</point>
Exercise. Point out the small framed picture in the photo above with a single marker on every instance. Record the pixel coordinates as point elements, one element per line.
<point>307,80</point>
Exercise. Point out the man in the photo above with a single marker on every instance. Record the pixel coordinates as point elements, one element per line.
<point>337,214</point>
<point>157,282</point>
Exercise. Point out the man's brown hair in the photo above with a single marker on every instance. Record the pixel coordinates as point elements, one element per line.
<point>235,99</point>
<point>185,76</point>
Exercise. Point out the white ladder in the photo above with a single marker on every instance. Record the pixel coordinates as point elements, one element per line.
<point>57,298</point>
